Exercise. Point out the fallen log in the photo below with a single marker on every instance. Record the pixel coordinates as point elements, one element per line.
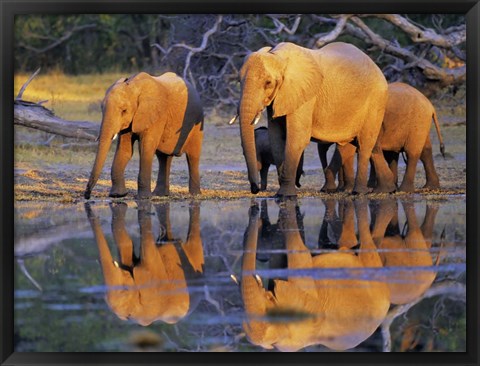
<point>36,116</point>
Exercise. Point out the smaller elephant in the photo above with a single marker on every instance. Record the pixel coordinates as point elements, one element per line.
<point>265,158</point>
<point>405,128</point>
<point>165,115</point>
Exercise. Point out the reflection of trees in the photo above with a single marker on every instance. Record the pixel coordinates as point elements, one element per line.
<point>453,290</point>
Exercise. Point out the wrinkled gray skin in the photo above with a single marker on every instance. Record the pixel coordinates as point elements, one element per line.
<point>265,158</point>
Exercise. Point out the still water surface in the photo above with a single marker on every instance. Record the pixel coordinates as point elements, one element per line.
<point>244,275</point>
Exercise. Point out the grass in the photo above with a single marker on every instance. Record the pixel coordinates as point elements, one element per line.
<point>60,174</point>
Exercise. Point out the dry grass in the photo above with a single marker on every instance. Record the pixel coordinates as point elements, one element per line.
<point>51,173</point>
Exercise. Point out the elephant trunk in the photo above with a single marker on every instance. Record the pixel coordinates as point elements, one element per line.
<point>105,140</point>
<point>248,113</point>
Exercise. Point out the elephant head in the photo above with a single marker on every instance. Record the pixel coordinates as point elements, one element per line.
<point>127,106</point>
<point>283,78</point>
<point>318,310</point>
<point>154,286</point>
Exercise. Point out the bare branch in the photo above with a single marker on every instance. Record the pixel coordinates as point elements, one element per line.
<point>431,71</point>
<point>192,50</point>
<point>24,86</point>
<point>325,38</point>
<point>281,27</point>
<point>426,35</point>
<point>60,40</point>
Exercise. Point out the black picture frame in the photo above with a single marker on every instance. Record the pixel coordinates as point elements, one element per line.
<point>9,8</point>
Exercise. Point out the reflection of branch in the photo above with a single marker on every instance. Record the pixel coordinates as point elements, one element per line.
<point>444,288</point>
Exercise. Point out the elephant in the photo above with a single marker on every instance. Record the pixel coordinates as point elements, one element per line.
<point>165,115</point>
<point>336,94</point>
<point>265,158</point>
<point>325,310</point>
<point>153,286</point>
<point>409,108</point>
<point>411,249</point>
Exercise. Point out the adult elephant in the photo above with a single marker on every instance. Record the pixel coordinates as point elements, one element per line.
<point>334,94</point>
<point>165,115</point>
<point>337,312</point>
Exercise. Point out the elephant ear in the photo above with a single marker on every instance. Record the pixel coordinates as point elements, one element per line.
<point>151,105</point>
<point>302,78</point>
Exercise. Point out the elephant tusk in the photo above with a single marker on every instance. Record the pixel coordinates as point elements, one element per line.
<point>259,280</point>
<point>115,136</point>
<point>232,121</point>
<point>234,278</point>
<point>257,119</point>
<point>115,263</point>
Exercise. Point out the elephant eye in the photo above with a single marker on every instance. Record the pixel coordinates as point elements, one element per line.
<point>124,111</point>
<point>268,83</point>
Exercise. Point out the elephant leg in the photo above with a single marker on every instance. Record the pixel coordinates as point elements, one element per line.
<point>297,141</point>
<point>331,170</point>
<point>162,187</point>
<point>276,135</point>
<point>384,176</point>
<point>123,154</point>
<point>347,153</point>
<point>299,171</point>
<point>372,179</point>
<point>392,160</point>
<point>409,177</point>
<point>264,176</point>
<point>147,151</point>
<point>193,161</point>
<point>329,185</point>
<point>427,159</point>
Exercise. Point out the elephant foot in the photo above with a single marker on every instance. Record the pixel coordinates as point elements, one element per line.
<point>287,191</point>
<point>254,188</point>
<point>118,192</point>
<point>380,189</point>
<point>360,189</point>
<point>144,195</point>
<point>160,193</point>
<point>282,198</point>
<point>431,186</point>
<point>328,188</point>
<point>407,188</point>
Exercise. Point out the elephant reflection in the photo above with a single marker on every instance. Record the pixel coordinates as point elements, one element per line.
<point>152,286</point>
<point>405,250</point>
<point>338,313</point>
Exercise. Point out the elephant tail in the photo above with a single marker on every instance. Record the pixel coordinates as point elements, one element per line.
<point>437,127</point>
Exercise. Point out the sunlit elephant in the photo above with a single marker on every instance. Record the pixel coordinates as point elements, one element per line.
<point>406,250</point>
<point>334,94</point>
<point>153,286</point>
<point>165,115</point>
<point>302,310</point>
<point>265,158</point>
<point>406,128</point>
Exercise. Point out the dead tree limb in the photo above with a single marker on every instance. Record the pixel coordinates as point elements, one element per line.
<point>35,116</point>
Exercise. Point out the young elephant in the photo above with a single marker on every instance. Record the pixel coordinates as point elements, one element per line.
<point>405,128</point>
<point>165,115</point>
<point>265,158</point>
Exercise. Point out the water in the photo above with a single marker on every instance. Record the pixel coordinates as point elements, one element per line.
<point>244,275</point>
